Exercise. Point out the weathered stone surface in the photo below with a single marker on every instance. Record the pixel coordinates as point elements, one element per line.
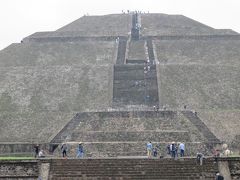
<point>223,123</point>
<point>199,86</point>
<point>114,24</point>
<point>59,54</point>
<point>164,24</point>
<point>19,169</point>
<point>201,52</point>
<point>137,50</point>
<point>234,167</point>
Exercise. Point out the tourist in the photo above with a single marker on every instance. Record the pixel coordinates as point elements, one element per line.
<point>80,150</point>
<point>216,154</point>
<point>148,68</point>
<point>64,150</point>
<point>155,152</point>
<point>195,112</point>
<point>168,149</point>
<point>173,150</point>
<point>154,108</point>
<point>200,157</point>
<point>41,154</point>
<point>164,108</point>
<point>219,176</point>
<point>149,149</point>
<point>182,149</point>
<point>176,150</point>
<point>36,150</point>
<point>227,152</point>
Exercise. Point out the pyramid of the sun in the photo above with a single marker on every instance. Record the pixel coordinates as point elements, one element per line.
<point>60,86</point>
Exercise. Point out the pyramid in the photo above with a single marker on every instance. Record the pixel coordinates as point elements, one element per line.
<point>117,81</point>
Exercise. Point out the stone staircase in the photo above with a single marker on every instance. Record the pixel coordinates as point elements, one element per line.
<point>136,52</point>
<point>201,126</point>
<point>150,51</point>
<point>125,133</point>
<point>135,80</point>
<point>131,86</point>
<point>122,44</point>
<point>119,122</point>
<point>135,31</point>
<point>131,168</point>
<point>132,136</point>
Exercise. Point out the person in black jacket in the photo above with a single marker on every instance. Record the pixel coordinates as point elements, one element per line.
<point>36,149</point>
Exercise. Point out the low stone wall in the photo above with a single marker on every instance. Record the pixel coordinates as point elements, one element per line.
<point>19,169</point>
<point>234,167</point>
<point>19,149</point>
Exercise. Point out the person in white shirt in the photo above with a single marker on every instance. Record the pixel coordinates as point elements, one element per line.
<point>41,154</point>
<point>182,149</point>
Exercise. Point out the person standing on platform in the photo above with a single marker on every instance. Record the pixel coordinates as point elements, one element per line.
<point>64,150</point>
<point>149,149</point>
<point>80,150</point>
<point>182,149</point>
<point>36,150</point>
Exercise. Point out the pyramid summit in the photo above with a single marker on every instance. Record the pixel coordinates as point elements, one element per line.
<point>116,81</point>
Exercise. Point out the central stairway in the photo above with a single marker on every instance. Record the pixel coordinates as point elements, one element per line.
<point>135,118</point>
<point>132,86</point>
<point>135,168</point>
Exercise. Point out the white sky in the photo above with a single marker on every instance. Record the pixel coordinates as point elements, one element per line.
<point>20,18</point>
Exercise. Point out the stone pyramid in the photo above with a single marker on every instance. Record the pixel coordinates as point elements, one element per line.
<point>117,81</point>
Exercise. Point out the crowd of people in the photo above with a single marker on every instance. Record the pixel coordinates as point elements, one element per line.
<point>173,150</point>
<point>40,153</point>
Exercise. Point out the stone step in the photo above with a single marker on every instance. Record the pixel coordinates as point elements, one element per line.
<point>128,67</point>
<point>128,170</point>
<point>137,75</point>
<point>139,97</point>
<point>150,50</point>
<point>136,178</point>
<point>132,169</point>
<point>135,86</point>
<point>102,136</point>
<point>135,61</point>
<point>121,120</point>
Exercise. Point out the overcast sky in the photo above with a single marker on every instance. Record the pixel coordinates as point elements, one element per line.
<point>20,18</point>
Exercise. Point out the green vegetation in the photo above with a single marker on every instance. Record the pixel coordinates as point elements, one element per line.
<point>16,158</point>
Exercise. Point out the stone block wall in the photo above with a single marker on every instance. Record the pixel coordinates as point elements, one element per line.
<point>19,169</point>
